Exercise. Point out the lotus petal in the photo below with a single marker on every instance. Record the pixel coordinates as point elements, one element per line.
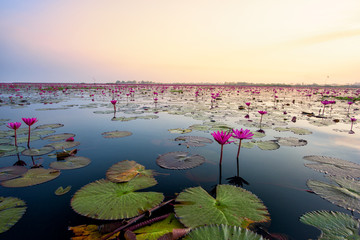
<point>106,200</point>
<point>233,206</point>
<point>179,160</point>
<point>11,210</point>
<point>32,177</point>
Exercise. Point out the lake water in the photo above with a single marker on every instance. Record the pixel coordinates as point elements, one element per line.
<point>278,177</point>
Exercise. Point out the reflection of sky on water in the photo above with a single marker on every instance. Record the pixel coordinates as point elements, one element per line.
<point>277,177</point>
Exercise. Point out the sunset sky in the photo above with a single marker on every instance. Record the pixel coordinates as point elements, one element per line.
<point>190,41</point>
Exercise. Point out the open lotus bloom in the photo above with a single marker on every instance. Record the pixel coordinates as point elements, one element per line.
<point>14,125</point>
<point>29,121</point>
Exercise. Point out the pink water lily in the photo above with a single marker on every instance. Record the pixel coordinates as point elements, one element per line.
<point>352,123</point>
<point>242,134</point>
<point>14,125</point>
<point>113,102</point>
<point>29,122</point>
<point>222,138</point>
<point>262,113</point>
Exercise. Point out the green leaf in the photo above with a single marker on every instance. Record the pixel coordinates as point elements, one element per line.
<point>61,191</point>
<point>179,130</point>
<point>126,170</point>
<point>179,160</point>
<point>116,134</point>
<point>106,200</point>
<point>71,162</point>
<point>222,232</point>
<point>346,194</point>
<point>158,229</point>
<point>38,151</point>
<point>59,137</point>
<point>267,145</point>
<point>233,206</point>
<point>63,145</point>
<point>333,225</point>
<point>11,210</point>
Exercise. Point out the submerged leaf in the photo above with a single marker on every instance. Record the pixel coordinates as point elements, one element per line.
<point>106,200</point>
<point>222,232</point>
<point>11,210</point>
<point>179,160</point>
<point>333,225</point>
<point>126,170</point>
<point>232,206</point>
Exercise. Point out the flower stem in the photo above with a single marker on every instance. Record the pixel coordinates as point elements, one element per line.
<point>221,154</point>
<point>239,149</point>
<point>28,144</point>
<point>15,138</point>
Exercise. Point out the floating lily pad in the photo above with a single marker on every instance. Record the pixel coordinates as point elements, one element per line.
<point>245,144</point>
<point>258,134</point>
<point>295,130</point>
<point>267,145</point>
<point>123,119</point>
<point>90,232</point>
<point>11,211</point>
<point>179,160</point>
<point>126,170</point>
<point>63,145</point>
<point>61,191</point>
<point>106,200</point>
<point>104,112</point>
<point>148,117</point>
<point>5,141</point>
<point>52,126</point>
<point>158,229</point>
<point>116,134</point>
<point>291,141</point>
<point>25,139</point>
<point>233,206</point>
<point>334,166</point>
<point>38,151</point>
<point>180,130</point>
<point>200,127</point>
<point>222,232</point>
<point>32,177</point>
<point>42,132</point>
<point>346,194</point>
<point>71,162</point>
<point>59,137</point>
<point>7,173</point>
<point>9,150</point>
<point>333,225</point>
<point>194,141</point>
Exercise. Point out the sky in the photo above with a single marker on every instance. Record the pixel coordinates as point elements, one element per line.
<point>188,41</point>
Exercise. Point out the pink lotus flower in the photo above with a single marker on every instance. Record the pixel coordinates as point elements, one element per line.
<point>113,102</point>
<point>29,122</point>
<point>242,134</point>
<point>14,125</point>
<point>247,104</point>
<point>70,139</point>
<point>352,123</point>
<point>222,138</point>
<point>262,113</point>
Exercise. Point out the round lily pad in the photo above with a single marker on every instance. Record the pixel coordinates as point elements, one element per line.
<point>72,162</point>
<point>59,137</point>
<point>38,151</point>
<point>345,194</point>
<point>333,166</point>
<point>116,134</point>
<point>107,200</point>
<point>5,140</point>
<point>11,211</point>
<point>63,145</point>
<point>200,127</point>
<point>32,177</point>
<point>42,132</point>
<point>291,141</point>
<point>7,173</point>
<point>222,232</point>
<point>179,160</point>
<point>25,139</point>
<point>180,130</point>
<point>232,206</point>
<point>126,170</point>
<point>193,141</point>
<point>52,126</point>
<point>333,225</point>
<point>267,145</point>
<point>61,191</point>
<point>9,150</point>
<point>300,131</point>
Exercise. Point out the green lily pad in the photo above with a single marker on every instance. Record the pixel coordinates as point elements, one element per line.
<point>333,166</point>
<point>148,117</point>
<point>7,173</point>
<point>116,134</point>
<point>123,119</point>
<point>63,145</point>
<point>71,162</point>
<point>126,170</point>
<point>193,141</point>
<point>200,127</point>
<point>5,141</point>
<point>222,232</point>
<point>32,177</point>
<point>38,151</point>
<point>106,200</point>
<point>59,137</point>
<point>345,194</point>
<point>61,191</point>
<point>295,130</point>
<point>42,132</point>
<point>267,145</point>
<point>180,130</point>
<point>233,206</point>
<point>179,160</point>
<point>7,148</point>
<point>25,139</point>
<point>258,134</point>
<point>10,150</point>
<point>52,126</point>
<point>333,225</point>
<point>158,229</point>
<point>291,141</point>
<point>11,211</point>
